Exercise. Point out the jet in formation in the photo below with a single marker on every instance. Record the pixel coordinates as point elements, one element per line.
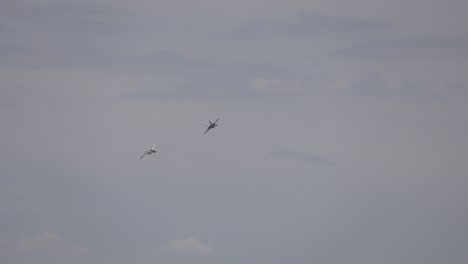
<point>149,151</point>
<point>211,126</point>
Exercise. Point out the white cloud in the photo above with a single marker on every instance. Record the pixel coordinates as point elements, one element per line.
<point>50,243</point>
<point>186,247</point>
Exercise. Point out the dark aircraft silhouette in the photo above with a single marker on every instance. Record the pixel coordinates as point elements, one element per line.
<point>211,126</point>
<point>149,151</point>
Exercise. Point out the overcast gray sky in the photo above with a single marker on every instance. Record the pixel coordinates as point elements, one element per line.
<point>341,140</point>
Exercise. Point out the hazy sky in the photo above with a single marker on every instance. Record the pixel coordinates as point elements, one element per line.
<point>341,140</point>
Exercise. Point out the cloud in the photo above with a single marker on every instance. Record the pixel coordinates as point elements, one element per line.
<point>186,247</point>
<point>48,243</point>
<point>201,76</point>
<point>262,86</point>
<point>302,157</point>
<point>405,47</point>
<point>301,25</point>
<point>457,88</point>
<point>369,84</point>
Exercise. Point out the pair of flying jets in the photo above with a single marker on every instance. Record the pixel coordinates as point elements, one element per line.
<point>152,150</point>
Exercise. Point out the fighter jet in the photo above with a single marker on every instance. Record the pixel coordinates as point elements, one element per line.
<point>211,126</point>
<point>149,151</point>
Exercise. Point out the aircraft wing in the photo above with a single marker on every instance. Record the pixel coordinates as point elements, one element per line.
<point>144,154</point>
<point>207,130</point>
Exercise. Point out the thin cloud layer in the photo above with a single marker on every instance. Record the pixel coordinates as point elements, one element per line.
<point>186,247</point>
<point>302,157</point>
<point>301,25</point>
<point>49,243</point>
<point>412,47</point>
<point>370,94</point>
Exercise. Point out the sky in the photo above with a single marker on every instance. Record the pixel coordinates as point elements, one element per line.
<point>341,139</point>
